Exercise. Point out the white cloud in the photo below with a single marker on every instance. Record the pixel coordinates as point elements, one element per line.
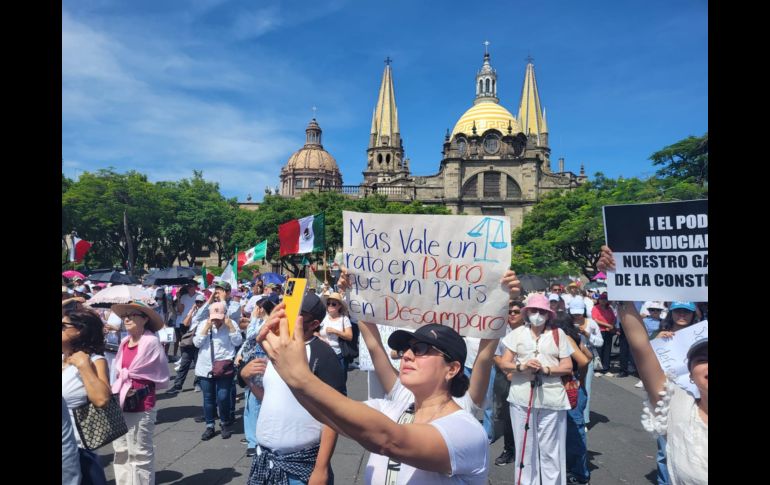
<point>142,105</point>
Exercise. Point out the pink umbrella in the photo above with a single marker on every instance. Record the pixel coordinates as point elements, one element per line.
<point>600,276</point>
<point>71,274</point>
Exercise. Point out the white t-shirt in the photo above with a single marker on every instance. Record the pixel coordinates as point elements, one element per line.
<point>551,395</point>
<point>464,436</point>
<point>339,323</point>
<point>472,346</point>
<point>187,301</point>
<point>283,425</point>
<point>687,441</point>
<point>74,392</point>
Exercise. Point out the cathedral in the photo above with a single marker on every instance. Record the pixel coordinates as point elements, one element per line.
<point>493,163</point>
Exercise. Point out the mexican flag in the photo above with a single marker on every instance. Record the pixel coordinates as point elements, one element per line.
<point>79,249</point>
<point>207,277</point>
<point>253,255</point>
<point>230,274</point>
<point>301,236</point>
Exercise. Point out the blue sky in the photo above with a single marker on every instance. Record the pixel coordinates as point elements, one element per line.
<point>227,87</point>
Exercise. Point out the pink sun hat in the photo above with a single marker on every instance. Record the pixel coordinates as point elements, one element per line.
<point>540,302</point>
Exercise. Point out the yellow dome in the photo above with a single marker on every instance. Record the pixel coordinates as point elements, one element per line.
<point>487,115</point>
<point>312,158</point>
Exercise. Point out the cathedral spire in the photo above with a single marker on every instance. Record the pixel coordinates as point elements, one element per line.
<point>386,149</point>
<point>385,118</point>
<point>531,116</point>
<point>486,80</point>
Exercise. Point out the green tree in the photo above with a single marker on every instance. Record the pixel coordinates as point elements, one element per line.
<point>94,206</point>
<point>564,232</point>
<point>685,160</point>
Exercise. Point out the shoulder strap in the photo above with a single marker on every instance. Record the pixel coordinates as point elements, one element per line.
<point>391,476</point>
<point>211,344</point>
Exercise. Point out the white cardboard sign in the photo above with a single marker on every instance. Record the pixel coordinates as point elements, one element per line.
<point>411,270</point>
<point>672,353</point>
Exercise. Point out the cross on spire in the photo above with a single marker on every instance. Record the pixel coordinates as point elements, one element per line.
<point>486,47</point>
<point>314,110</point>
<point>529,59</point>
<point>388,60</point>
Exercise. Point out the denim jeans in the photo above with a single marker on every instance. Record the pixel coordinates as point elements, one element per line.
<point>216,394</point>
<point>294,480</point>
<point>250,415</point>
<point>589,378</point>
<point>488,421</point>
<point>625,354</point>
<point>189,355</point>
<point>344,365</point>
<point>606,350</point>
<point>661,459</point>
<point>577,451</point>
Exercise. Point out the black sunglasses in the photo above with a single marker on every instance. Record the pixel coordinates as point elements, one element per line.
<point>332,303</point>
<point>421,348</point>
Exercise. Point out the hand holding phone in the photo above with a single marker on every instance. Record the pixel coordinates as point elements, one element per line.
<point>295,292</point>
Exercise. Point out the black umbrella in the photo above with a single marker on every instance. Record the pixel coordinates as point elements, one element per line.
<point>176,275</point>
<point>531,282</point>
<point>561,281</point>
<point>114,277</point>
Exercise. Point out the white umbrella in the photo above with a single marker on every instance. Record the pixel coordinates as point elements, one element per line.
<point>120,294</point>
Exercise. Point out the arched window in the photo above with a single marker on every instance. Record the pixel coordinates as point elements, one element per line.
<point>379,158</point>
<point>491,185</point>
<point>387,159</point>
<point>481,86</point>
<point>493,86</point>
<point>297,183</point>
<point>487,84</point>
<point>470,189</point>
<point>512,190</point>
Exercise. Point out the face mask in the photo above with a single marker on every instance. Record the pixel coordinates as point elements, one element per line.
<point>537,319</point>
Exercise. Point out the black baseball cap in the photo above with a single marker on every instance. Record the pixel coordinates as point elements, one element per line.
<point>440,336</point>
<point>313,305</point>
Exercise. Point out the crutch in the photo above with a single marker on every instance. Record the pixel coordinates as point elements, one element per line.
<point>533,383</point>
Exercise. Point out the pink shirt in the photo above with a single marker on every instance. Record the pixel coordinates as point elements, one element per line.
<point>129,353</point>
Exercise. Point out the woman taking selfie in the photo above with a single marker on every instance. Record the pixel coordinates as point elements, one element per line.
<point>420,434</point>
<point>141,369</point>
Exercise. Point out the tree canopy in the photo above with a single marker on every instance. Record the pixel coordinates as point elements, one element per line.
<point>564,232</point>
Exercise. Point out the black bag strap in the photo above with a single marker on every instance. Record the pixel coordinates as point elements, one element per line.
<point>391,476</point>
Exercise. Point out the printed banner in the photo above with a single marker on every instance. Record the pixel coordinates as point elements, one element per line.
<point>661,251</point>
<point>411,270</point>
<point>672,353</point>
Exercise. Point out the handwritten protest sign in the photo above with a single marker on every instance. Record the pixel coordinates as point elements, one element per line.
<point>672,353</point>
<point>661,251</point>
<point>412,270</point>
<point>365,359</point>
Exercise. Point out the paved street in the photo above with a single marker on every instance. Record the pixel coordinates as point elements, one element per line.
<point>620,450</point>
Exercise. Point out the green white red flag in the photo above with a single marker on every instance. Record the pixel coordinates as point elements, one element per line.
<point>301,236</point>
<point>253,255</point>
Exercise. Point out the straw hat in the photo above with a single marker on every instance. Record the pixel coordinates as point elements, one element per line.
<point>338,297</point>
<point>154,323</point>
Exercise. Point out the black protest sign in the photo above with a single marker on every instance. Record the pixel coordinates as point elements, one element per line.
<point>661,251</point>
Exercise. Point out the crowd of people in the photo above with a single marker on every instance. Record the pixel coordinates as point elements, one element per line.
<point>532,387</point>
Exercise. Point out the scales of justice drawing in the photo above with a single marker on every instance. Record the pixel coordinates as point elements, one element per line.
<point>483,229</point>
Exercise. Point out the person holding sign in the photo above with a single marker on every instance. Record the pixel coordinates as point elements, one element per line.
<point>538,353</point>
<point>677,416</point>
<point>428,440</point>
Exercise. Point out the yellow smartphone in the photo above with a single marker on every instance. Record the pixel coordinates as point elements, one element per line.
<point>295,292</point>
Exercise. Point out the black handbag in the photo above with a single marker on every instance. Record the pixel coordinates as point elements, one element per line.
<point>99,426</point>
<point>132,403</point>
<point>349,349</point>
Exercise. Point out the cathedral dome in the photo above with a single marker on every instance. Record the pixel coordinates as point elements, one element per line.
<point>312,158</point>
<point>487,115</point>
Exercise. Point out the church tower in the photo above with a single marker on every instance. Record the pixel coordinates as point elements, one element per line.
<point>385,154</point>
<point>532,116</point>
